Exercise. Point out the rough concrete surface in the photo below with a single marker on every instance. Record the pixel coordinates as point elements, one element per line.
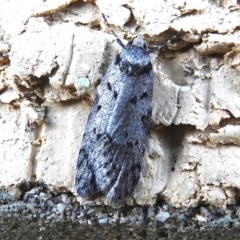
<point>54,53</point>
<point>48,214</point>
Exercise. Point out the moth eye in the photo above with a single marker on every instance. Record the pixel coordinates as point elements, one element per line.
<point>117,60</point>
<point>130,42</point>
<point>145,46</point>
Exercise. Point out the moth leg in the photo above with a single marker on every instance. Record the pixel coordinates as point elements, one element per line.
<point>115,35</point>
<point>174,38</point>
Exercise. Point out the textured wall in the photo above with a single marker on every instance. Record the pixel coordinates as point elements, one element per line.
<point>53,54</point>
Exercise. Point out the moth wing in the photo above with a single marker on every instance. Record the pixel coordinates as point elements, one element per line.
<point>119,151</point>
<point>85,181</point>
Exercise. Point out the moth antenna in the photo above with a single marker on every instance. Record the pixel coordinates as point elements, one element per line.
<point>115,35</point>
<point>174,38</point>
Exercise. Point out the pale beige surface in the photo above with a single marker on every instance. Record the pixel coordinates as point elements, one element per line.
<point>51,63</point>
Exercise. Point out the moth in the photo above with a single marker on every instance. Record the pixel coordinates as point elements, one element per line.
<point>110,159</point>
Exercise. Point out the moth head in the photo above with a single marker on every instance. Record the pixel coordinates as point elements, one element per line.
<point>139,41</point>
<point>134,59</point>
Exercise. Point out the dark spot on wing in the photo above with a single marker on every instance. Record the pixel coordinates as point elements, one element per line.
<point>130,145</point>
<point>115,94</point>
<point>99,107</point>
<point>144,95</point>
<point>109,86</point>
<point>99,136</point>
<point>134,100</point>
